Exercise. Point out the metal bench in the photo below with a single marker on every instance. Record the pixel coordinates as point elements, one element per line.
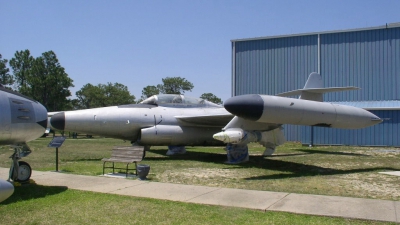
<point>124,154</point>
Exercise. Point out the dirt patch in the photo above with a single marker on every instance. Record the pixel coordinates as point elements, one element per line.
<point>372,185</point>
<point>204,176</point>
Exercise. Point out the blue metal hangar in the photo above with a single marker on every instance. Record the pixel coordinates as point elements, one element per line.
<point>368,58</point>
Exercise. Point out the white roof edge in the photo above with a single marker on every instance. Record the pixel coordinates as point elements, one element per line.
<point>388,25</point>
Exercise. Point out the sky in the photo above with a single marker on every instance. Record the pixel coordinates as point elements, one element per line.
<point>137,43</point>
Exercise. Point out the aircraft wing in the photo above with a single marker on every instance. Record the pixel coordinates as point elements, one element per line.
<point>216,120</point>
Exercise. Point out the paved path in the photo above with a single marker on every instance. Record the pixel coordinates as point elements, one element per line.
<point>369,209</point>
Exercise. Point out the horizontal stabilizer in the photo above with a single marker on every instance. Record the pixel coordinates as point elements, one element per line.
<point>313,89</point>
<point>317,90</point>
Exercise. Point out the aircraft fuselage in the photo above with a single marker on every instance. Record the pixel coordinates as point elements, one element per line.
<point>145,124</point>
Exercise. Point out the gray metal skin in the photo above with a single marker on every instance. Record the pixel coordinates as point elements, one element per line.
<point>309,109</point>
<point>6,190</point>
<point>274,109</point>
<point>181,120</point>
<point>159,120</point>
<point>21,120</point>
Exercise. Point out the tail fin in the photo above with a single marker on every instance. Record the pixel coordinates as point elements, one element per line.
<point>314,89</point>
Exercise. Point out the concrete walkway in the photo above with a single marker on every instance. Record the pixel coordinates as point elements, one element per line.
<point>369,209</point>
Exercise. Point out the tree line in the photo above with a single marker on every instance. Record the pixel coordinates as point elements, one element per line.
<point>45,80</point>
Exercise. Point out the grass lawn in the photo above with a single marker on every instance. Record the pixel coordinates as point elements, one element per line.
<point>339,171</point>
<point>35,204</point>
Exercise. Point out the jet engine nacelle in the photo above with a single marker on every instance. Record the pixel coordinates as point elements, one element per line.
<point>177,135</point>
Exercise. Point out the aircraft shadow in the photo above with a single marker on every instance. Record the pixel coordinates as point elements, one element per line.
<point>33,191</point>
<point>288,169</point>
<point>284,155</point>
<point>189,155</point>
<point>315,151</point>
<point>84,160</point>
<point>295,169</point>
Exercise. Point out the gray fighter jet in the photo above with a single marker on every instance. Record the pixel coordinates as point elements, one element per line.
<point>21,120</point>
<point>163,120</point>
<point>177,121</point>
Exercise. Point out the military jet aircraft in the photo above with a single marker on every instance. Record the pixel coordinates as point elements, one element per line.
<point>164,120</point>
<point>177,121</point>
<point>21,120</point>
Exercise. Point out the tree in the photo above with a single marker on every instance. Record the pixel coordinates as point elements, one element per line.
<point>89,96</point>
<point>103,95</point>
<point>117,94</point>
<point>211,97</point>
<point>149,91</point>
<point>49,82</point>
<point>5,78</point>
<point>21,65</point>
<point>43,79</point>
<point>174,85</point>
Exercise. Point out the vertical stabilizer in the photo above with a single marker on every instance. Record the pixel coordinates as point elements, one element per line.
<point>314,81</point>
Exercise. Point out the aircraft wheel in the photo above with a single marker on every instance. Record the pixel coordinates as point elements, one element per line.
<point>24,172</point>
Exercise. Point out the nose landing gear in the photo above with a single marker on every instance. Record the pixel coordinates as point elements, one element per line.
<point>20,171</point>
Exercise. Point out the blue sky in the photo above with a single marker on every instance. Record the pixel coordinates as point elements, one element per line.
<point>137,43</point>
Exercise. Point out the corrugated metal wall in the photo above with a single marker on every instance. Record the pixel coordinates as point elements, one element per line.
<point>273,66</point>
<point>369,59</point>
<point>276,65</point>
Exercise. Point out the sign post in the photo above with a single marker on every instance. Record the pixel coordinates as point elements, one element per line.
<point>56,143</point>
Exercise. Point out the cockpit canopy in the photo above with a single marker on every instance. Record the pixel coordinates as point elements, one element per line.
<point>173,100</point>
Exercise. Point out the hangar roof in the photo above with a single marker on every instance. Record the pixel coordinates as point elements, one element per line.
<point>388,25</point>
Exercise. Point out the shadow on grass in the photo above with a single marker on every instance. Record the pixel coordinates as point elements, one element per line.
<point>83,160</point>
<point>283,155</point>
<point>33,191</point>
<point>275,163</point>
<point>315,151</point>
<point>294,169</point>
<point>210,157</point>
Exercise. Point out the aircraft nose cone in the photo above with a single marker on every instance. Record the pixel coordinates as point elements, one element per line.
<point>6,190</point>
<point>58,121</point>
<point>249,107</point>
<point>41,115</point>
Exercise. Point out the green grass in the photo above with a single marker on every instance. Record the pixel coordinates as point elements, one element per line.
<point>35,204</point>
<point>324,170</point>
